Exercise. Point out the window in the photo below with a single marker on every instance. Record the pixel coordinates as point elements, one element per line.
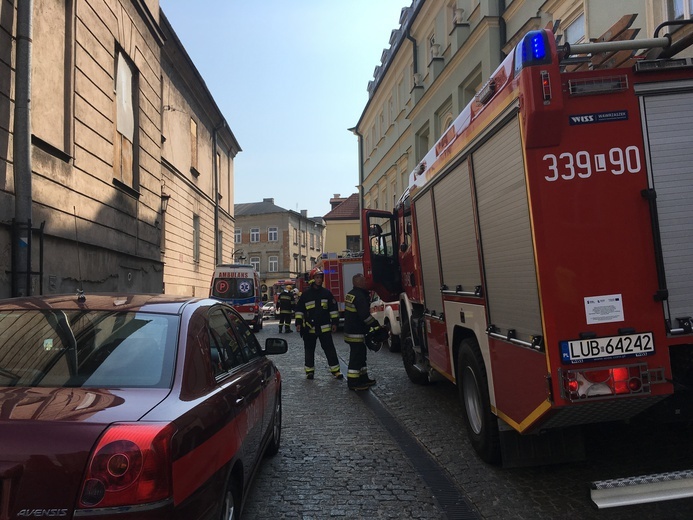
<point>575,32</point>
<point>679,9</point>
<point>312,241</point>
<point>317,242</point>
<point>353,243</point>
<point>295,236</point>
<point>296,263</point>
<point>303,238</point>
<point>255,262</point>
<point>254,234</point>
<point>272,234</point>
<point>196,238</point>
<point>225,349</point>
<point>127,109</point>
<point>273,264</point>
<point>52,40</point>
<point>237,236</point>
<point>193,145</point>
<point>247,340</point>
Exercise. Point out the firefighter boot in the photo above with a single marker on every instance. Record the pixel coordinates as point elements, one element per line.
<point>355,381</point>
<point>336,372</point>
<point>280,328</point>
<point>310,372</point>
<point>287,328</point>
<point>365,379</point>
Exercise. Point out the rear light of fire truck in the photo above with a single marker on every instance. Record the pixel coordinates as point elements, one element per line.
<point>605,382</point>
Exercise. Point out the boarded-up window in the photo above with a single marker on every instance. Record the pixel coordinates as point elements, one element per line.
<point>196,238</point>
<point>51,87</point>
<point>126,121</point>
<point>193,144</point>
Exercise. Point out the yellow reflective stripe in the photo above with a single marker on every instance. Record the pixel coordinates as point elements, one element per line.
<point>354,337</point>
<point>334,315</point>
<point>325,328</point>
<point>299,315</point>
<point>350,307</point>
<point>323,304</point>
<point>310,305</point>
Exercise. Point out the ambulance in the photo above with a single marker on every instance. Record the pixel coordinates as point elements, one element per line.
<point>239,286</point>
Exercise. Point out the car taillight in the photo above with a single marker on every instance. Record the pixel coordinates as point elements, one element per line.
<point>131,464</point>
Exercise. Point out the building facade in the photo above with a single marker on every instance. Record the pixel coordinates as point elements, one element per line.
<point>279,243</point>
<point>342,225</point>
<point>444,51</point>
<point>104,121</point>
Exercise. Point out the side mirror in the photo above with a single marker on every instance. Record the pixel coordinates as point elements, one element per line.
<point>276,346</point>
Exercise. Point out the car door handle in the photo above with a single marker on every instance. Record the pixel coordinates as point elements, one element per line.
<point>240,400</point>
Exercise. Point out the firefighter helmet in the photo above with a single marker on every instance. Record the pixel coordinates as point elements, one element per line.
<point>375,338</point>
<point>315,272</point>
<point>288,287</point>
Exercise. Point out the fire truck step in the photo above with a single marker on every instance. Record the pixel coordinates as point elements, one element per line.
<point>643,489</point>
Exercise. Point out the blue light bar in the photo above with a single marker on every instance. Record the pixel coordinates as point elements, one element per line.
<point>533,49</point>
<point>538,46</point>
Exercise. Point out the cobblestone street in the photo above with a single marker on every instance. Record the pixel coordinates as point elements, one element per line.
<point>338,460</point>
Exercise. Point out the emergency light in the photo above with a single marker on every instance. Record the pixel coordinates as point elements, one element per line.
<point>532,50</point>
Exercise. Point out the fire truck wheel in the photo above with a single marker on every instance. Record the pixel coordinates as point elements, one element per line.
<point>482,426</point>
<point>409,359</point>
<point>393,343</point>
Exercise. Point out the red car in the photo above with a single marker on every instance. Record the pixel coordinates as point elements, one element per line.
<point>132,406</point>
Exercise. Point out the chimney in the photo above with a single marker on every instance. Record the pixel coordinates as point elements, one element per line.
<point>271,200</point>
<point>304,213</point>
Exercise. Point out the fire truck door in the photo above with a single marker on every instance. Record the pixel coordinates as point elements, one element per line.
<point>380,256</point>
<point>668,132</point>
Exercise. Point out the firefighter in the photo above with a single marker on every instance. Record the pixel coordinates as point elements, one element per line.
<point>286,308</point>
<point>317,318</point>
<point>358,323</point>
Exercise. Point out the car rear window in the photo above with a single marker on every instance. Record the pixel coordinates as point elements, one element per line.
<point>91,349</point>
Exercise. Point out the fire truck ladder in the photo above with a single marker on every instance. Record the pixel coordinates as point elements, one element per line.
<point>642,490</point>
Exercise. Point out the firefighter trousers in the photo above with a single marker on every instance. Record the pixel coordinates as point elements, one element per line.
<point>310,341</point>
<point>285,318</point>
<point>357,362</point>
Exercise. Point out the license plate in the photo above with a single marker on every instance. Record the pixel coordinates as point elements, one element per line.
<point>613,347</point>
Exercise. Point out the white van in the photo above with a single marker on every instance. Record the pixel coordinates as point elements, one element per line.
<point>239,285</point>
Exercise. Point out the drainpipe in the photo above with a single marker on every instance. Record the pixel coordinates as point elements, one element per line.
<point>355,131</point>
<point>415,60</point>
<point>502,29</point>
<point>21,248</point>
<point>215,198</point>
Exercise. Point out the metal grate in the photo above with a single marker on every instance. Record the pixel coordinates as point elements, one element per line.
<point>589,87</point>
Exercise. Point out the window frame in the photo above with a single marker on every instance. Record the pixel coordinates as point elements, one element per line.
<point>254,235</point>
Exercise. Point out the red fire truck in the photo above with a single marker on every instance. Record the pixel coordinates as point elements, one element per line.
<point>339,269</point>
<point>542,254</point>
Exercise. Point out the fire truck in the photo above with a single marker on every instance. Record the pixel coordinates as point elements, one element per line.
<point>542,254</point>
<point>338,269</point>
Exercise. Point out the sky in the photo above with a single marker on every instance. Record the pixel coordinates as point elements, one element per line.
<point>290,79</point>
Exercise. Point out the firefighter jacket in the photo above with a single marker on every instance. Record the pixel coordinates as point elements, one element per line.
<point>357,316</point>
<point>286,302</point>
<point>316,310</point>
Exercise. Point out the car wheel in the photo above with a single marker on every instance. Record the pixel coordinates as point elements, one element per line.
<point>275,440</point>
<point>231,505</point>
<point>257,326</point>
<point>393,341</point>
<point>472,382</point>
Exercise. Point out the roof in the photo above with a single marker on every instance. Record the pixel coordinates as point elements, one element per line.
<point>257,208</point>
<point>347,210</point>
